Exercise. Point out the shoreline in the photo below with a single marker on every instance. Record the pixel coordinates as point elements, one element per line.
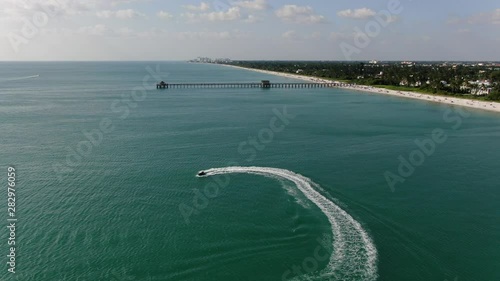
<point>482,105</point>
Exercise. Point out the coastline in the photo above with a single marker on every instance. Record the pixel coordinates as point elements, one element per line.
<point>482,105</point>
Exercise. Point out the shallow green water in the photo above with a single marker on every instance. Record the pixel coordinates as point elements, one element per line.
<point>130,209</point>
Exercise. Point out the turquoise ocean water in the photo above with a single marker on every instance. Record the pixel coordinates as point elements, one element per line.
<point>106,185</point>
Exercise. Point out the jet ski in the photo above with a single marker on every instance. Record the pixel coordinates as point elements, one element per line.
<point>201,174</point>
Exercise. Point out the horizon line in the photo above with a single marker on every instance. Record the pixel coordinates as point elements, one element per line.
<point>259,60</point>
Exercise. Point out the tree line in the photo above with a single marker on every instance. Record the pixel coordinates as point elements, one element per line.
<point>429,77</point>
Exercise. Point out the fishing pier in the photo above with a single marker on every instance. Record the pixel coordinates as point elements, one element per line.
<point>265,84</point>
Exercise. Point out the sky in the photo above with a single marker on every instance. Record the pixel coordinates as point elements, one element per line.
<point>81,30</point>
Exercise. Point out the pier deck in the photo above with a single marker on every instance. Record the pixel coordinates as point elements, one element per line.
<point>246,85</point>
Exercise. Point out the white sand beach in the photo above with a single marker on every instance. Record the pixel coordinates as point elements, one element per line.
<point>483,105</point>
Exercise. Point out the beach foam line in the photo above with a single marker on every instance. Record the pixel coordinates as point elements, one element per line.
<point>354,254</point>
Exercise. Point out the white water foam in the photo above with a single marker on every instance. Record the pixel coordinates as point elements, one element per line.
<point>354,254</point>
<point>295,193</point>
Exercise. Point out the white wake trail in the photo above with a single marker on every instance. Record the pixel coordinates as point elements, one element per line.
<point>19,78</point>
<point>354,255</point>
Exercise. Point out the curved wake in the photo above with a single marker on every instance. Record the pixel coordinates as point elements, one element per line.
<point>19,78</point>
<point>354,255</point>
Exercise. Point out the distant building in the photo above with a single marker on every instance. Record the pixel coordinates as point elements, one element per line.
<point>481,83</point>
<point>408,63</point>
<point>210,60</point>
<point>482,91</point>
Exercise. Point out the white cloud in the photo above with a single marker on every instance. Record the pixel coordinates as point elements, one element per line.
<point>153,33</point>
<point>97,30</point>
<point>257,5</point>
<point>224,35</point>
<point>120,2</point>
<point>252,19</point>
<point>25,8</point>
<point>485,18</point>
<point>362,13</point>
<point>291,35</point>
<point>120,14</point>
<point>164,15</point>
<point>299,14</point>
<point>200,8</point>
<point>337,36</point>
<point>125,32</point>
<point>59,8</point>
<point>229,15</point>
<point>392,19</point>
<point>316,35</point>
